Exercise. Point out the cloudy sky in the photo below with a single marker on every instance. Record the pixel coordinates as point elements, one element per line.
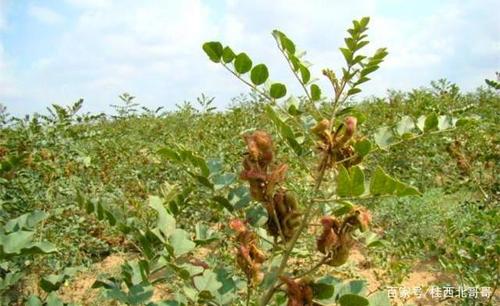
<point>56,51</point>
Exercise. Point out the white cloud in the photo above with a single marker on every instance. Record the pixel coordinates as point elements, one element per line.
<point>153,48</point>
<point>90,4</point>
<point>44,15</point>
<point>7,86</point>
<point>7,83</point>
<point>3,8</point>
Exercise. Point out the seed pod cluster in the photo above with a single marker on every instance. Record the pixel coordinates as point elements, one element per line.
<point>264,180</point>
<point>256,166</point>
<point>336,239</point>
<point>283,214</point>
<point>299,292</point>
<point>455,151</point>
<point>248,256</point>
<point>337,145</point>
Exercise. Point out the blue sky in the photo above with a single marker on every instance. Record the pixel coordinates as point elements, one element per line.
<point>59,51</point>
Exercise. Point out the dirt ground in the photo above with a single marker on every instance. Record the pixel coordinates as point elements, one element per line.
<point>423,275</point>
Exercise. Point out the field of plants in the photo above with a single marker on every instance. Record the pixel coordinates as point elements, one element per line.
<point>306,198</point>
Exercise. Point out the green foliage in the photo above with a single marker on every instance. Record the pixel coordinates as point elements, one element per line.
<point>277,90</point>
<point>242,63</point>
<point>162,187</point>
<point>16,237</point>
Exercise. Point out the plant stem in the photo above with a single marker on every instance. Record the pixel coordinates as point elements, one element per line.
<point>249,292</point>
<point>305,220</point>
<point>294,72</point>
<point>312,269</point>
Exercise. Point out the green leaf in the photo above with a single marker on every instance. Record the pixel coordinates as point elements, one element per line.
<point>215,166</point>
<point>223,202</point>
<point>305,74</point>
<point>228,55</point>
<point>324,289</point>
<point>431,122</point>
<point>256,215</point>
<point>293,106</point>
<point>353,300</point>
<point>140,294</point>
<point>259,74</point>
<point>25,222</point>
<point>197,161</point>
<point>277,90</point>
<point>285,130</point>
<point>288,44</point>
<point>239,197</point>
<point>165,222</point>
<point>204,234</point>
<point>357,181</point>
<point>203,180</point>
<point>52,282</point>
<point>403,190</point>
<point>371,239</point>
<point>343,182</point>
<point>444,122</point>
<point>380,298</point>
<point>364,22</point>
<point>20,242</point>
<point>53,300</point>
<point>242,63</point>
<point>223,180</point>
<point>350,43</point>
<point>166,303</point>
<point>350,183</point>
<point>362,147</point>
<point>368,69</point>
<point>181,242</point>
<point>315,92</point>
<point>207,282</point>
<point>353,91</point>
<point>356,287</point>
<point>342,208</point>
<point>295,62</point>
<point>284,41</point>
<point>34,300</point>
<point>381,183</point>
<point>347,55</point>
<point>493,84</point>
<point>272,272</point>
<point>421,123</point>
<point>226,294</point>
<point>214,50</point>
<point>384,136</point>
<point>405,125</point>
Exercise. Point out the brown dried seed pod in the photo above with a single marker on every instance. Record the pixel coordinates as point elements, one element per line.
<point>256,254</point>
<point>266,158</point>
<point>291,201</point>
<point>287,232</point>
<point>329,237</point>
<point>358,218</point>
<point>349,130</point>
<point>253,150</point>
<point>263,140</point>
<point>320,127</point>
<point>292,220</point>
<point>350,126</point>
<point>279,204</point>
<point>339,257</point>
<point>257,190</point>
<point>299,293</point>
